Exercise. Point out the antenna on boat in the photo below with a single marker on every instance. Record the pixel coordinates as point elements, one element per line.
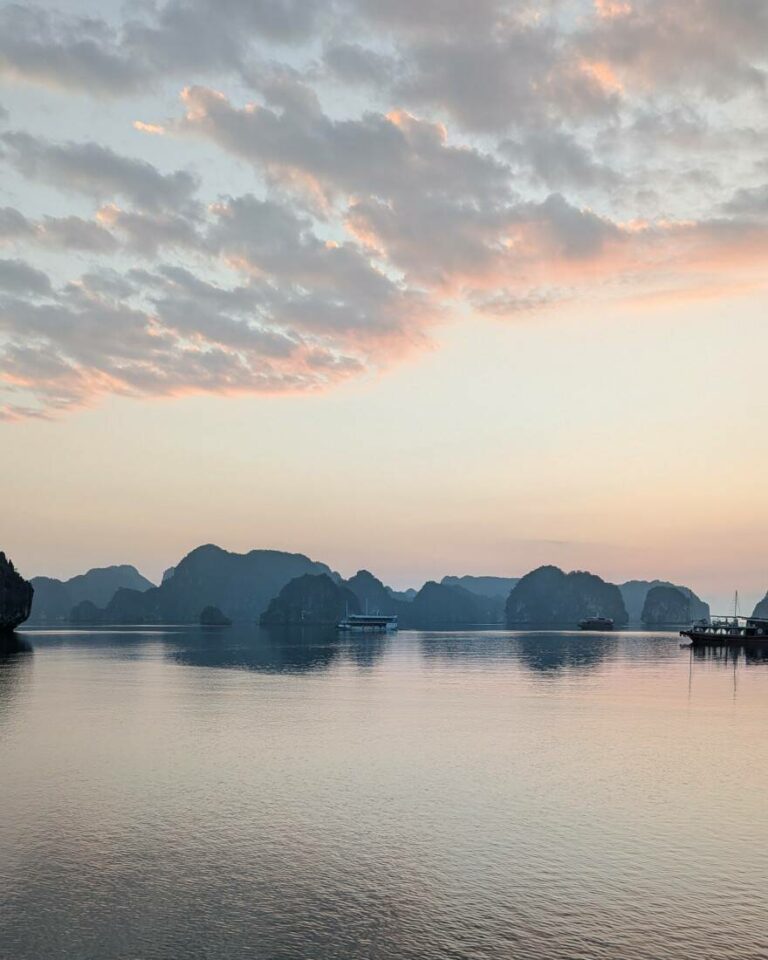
<point>736,604</point>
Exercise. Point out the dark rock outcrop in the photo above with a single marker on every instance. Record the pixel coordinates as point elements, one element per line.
<point>55,599</point>
<point>550,596</point>
<point>15,597</point>
<point>761,609</point>
<point>372,595</point>
<point>86,612</point>
<point>213,617</point>
<point>635,592</point>
<point>310,600</point>
<point>240,584</point>
<point>666,605</point>
<point>483,586</point>
<point>437,605</point>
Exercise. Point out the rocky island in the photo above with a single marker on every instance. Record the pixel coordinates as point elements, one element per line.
<point>667,605</point>
<point>547,595</point>
<point>15,597</point>
<point>213,617</point>
<point>310,600</point>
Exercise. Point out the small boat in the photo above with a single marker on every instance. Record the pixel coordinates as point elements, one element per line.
<point>725,631</point>
<point>596,623</point>
<point>367,623</point>
<point>728,631</point>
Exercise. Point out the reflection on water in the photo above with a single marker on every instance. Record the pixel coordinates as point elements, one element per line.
<point>237,793</point>
<point>285,650</point>
<point>750,654</point>
<point>15,661</point>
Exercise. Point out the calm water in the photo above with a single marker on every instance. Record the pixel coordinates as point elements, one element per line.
<point>187,794</point>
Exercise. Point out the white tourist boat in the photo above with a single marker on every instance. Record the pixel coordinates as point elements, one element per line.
<point>367,623</point>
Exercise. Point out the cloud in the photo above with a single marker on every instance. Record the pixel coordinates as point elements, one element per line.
<point>16,276</point>
<point>356,64</point>
<point>306,314</point>
<point>88,54</point>
<point>749,202</point>
<point>97,171</point>
<point>406,159</point>
<point>558,160</point>
<point>715,46</point>
<point>80,53</point>
<point>393,155</point>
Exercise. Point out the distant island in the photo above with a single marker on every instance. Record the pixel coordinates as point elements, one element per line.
<point>214,587</point>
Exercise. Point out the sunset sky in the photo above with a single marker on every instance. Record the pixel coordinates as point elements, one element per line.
<point>430,287</point>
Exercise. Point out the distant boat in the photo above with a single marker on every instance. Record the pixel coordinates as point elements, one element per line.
<point>596,623</point>
<point>367,623</point>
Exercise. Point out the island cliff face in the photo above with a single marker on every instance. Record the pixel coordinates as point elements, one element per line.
<point>635,592</point>
<point>438,604</point>
<point>761,610</point>
<point>373,596</point>
<point>310,600</point>
<point>666,605</point>
<point>15,597</point>
<point>550,596</point>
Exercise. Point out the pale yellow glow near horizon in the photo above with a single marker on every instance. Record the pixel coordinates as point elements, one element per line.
<point>622,441</point>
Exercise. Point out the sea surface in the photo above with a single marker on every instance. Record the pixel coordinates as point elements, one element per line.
<point>180,794</point>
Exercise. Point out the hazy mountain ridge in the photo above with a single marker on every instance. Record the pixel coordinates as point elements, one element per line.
<point>240,585</point>
<point>55,599</point>
<point>483,586</point>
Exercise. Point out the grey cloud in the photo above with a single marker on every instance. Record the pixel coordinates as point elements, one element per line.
<point>66,233</point>
<point>718,46</point>
<point>14,225</point>
<point>431,240</point>
<point>16,276</point>
<point>749,202</point>
<point>98,171</point>
<point>558,160</point>
<point>144,233</point>
<point>306,314</point>
<point>354,63</point>
<point>87,54</point>
<point>575,233</point>
<point>79,53</point>
<point>523,74</point>
<point>385,156</point>
<point>446,17</point>
<point>318,286</point>
<point>74,233</point>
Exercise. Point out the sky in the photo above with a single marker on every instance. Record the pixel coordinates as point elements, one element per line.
<point>428,288</point>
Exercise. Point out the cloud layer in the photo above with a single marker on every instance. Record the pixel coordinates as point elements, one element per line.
<point>405,161</point>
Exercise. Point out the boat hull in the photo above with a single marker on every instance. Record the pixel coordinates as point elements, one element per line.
<point>703,639</point>
<point>596,625</point>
